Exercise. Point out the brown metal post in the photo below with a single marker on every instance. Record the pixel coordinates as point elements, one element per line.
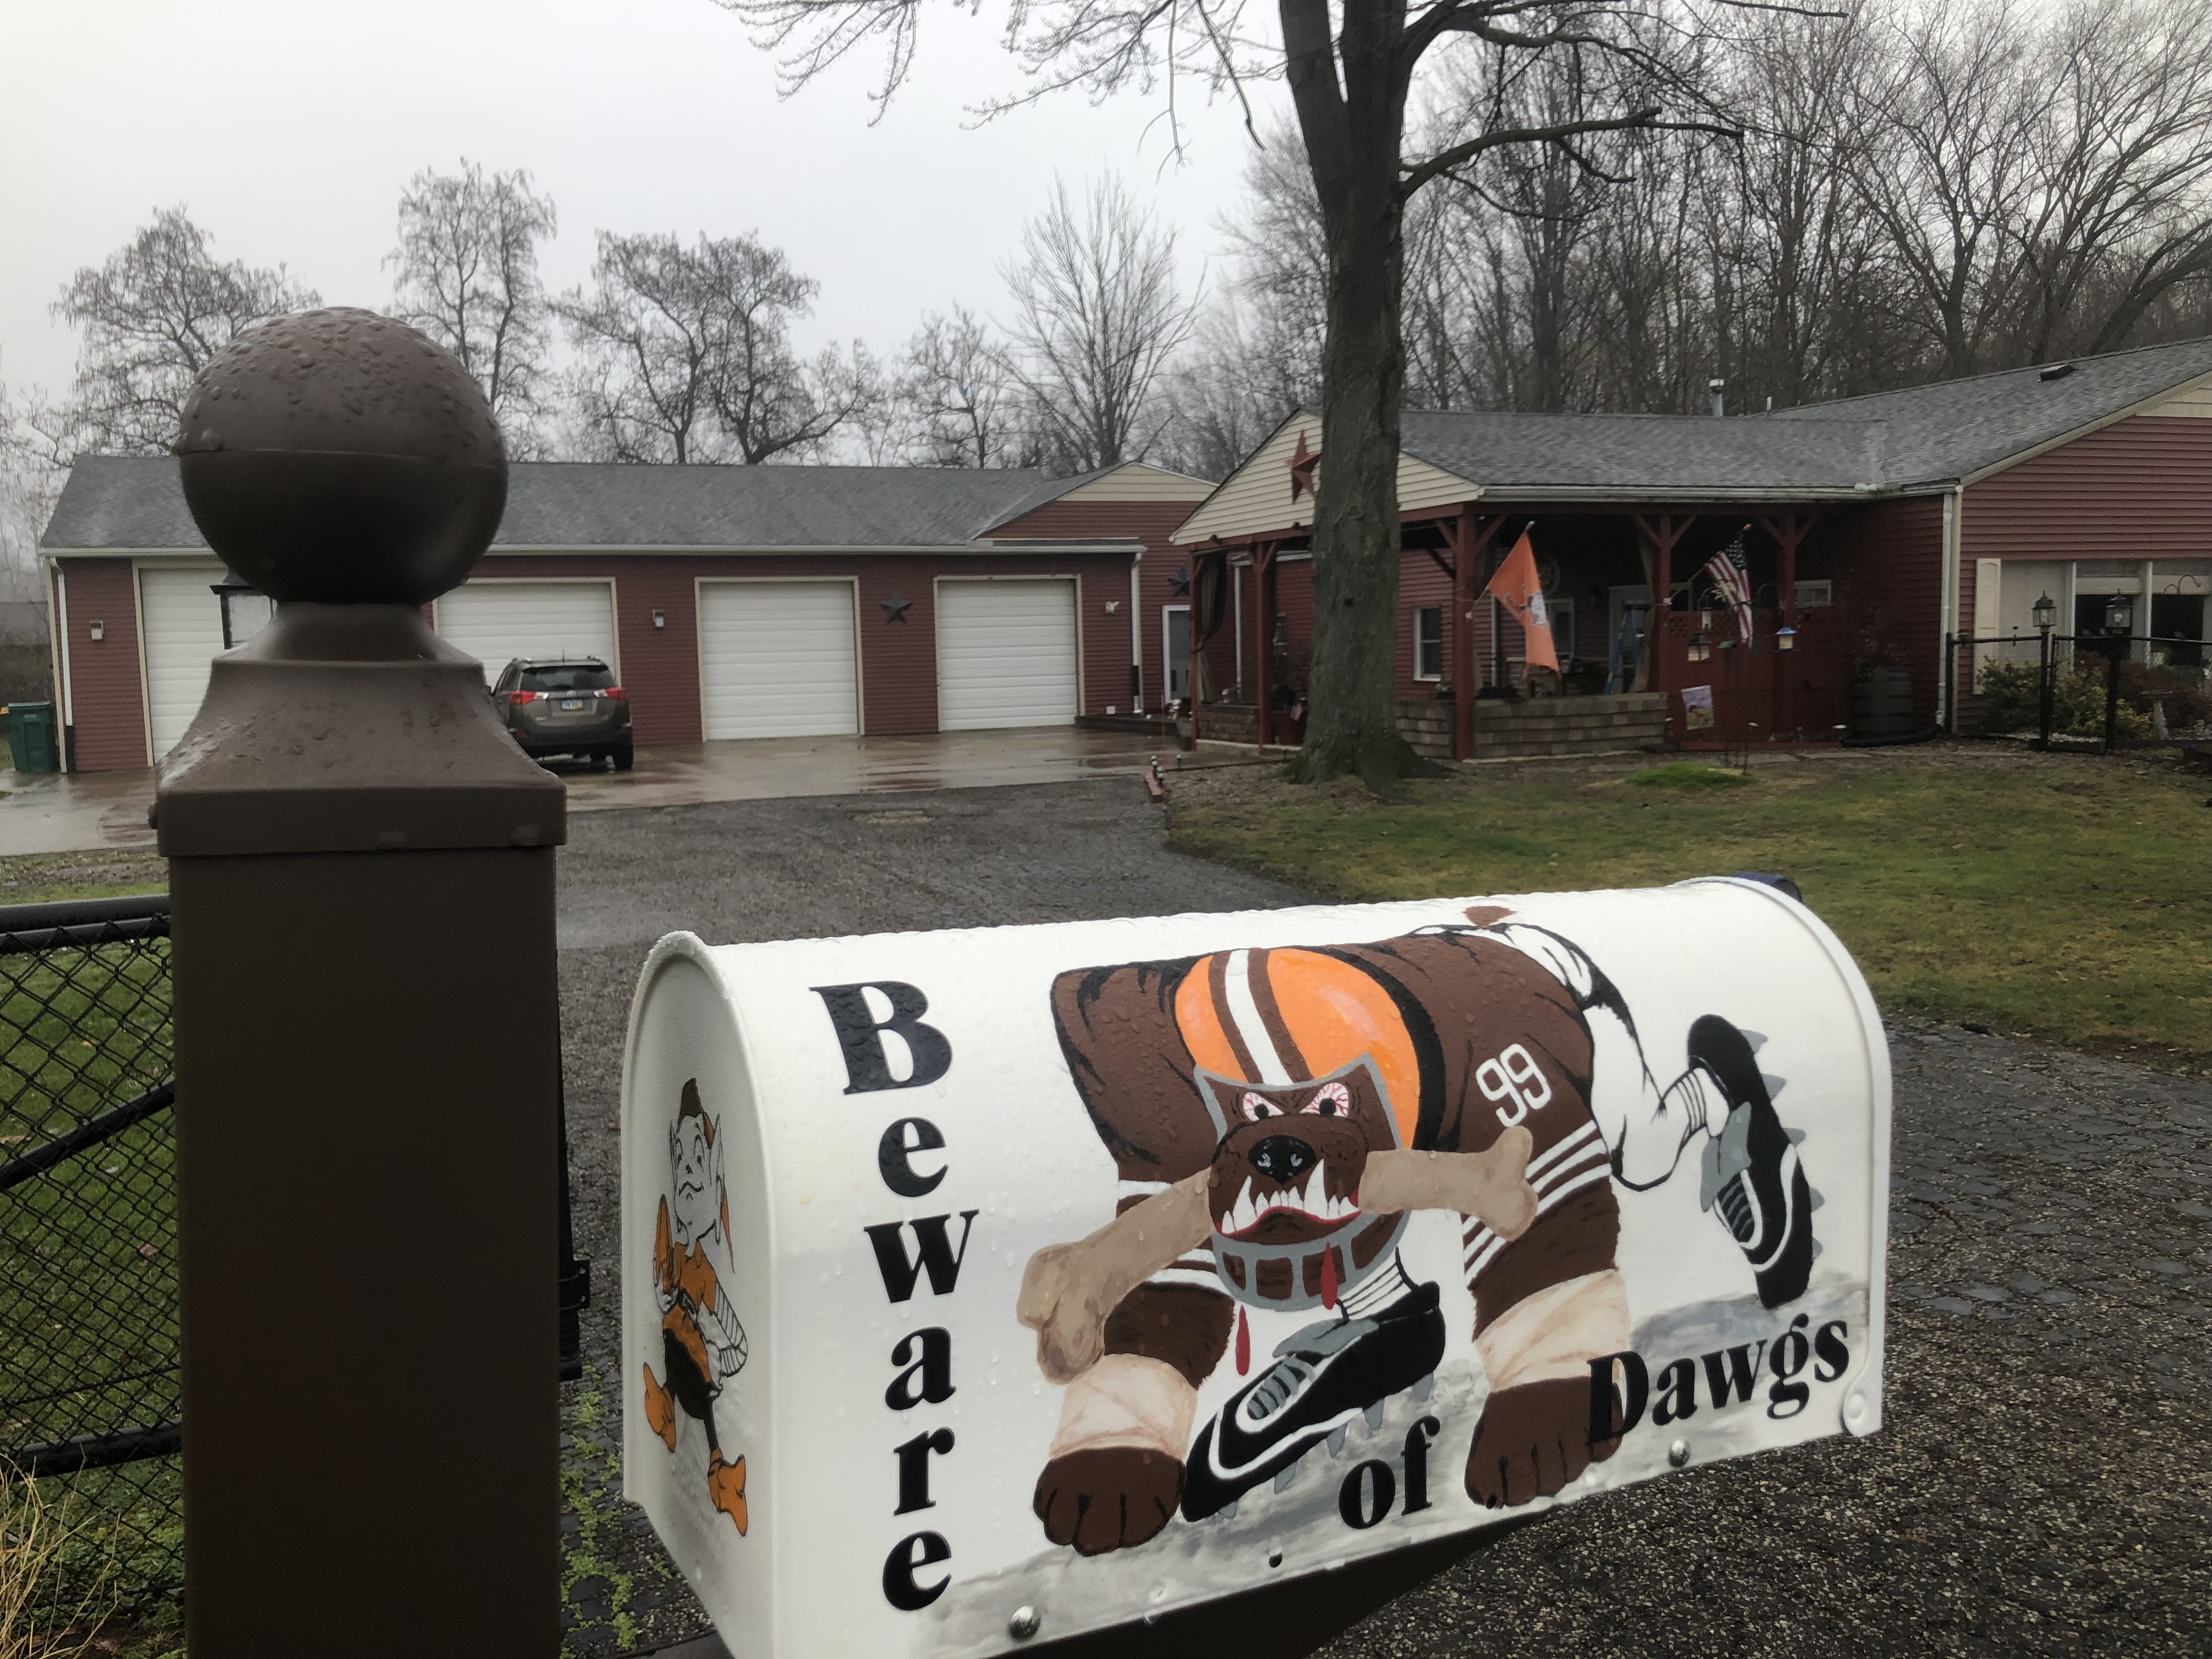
<point>362,873</point>
<point>1263,589</point>
<point>1467,546</point>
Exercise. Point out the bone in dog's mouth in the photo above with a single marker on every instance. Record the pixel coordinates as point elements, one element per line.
<point>1308,1209</point>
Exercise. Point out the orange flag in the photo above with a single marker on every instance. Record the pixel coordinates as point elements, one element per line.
<point>1516,588</point>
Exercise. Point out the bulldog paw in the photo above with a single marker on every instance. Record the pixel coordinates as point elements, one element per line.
<point>1532,1441</point>
<point>1113,1497</point>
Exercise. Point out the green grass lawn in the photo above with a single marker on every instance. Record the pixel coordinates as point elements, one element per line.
<point>2065,898</point>
<point>46,878</point>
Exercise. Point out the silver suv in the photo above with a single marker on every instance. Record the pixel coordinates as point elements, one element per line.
<point>565,706</point>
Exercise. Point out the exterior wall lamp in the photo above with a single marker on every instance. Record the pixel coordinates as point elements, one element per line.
<point>1700,647</point>
<point>246,609</point>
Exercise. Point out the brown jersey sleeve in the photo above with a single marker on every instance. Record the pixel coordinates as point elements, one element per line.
<point>1117,1030</point>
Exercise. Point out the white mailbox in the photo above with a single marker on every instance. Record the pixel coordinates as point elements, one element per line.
<point>992,1287</point>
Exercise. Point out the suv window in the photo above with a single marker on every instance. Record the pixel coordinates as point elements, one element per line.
<point>566,677</point>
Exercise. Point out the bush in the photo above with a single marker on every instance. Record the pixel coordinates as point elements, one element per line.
<point>2187,701</point>
<point>2011,695</point>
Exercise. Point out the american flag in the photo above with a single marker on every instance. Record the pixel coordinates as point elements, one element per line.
<point>1728,573</point>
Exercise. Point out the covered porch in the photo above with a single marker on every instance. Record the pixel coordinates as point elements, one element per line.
<point>1681,671</point>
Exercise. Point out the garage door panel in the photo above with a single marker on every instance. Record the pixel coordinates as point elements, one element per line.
<point>1006,654</point>
<point>182,620</point>
<point>496,621</point>
<point>777,659</point>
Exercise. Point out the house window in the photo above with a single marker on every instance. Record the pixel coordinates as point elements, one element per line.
<point>1813,594</point>
<point>1428,642</point>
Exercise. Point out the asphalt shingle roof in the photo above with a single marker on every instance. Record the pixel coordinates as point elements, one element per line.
<point>1956,428</point>
<point>1646,453</point>
<point>1884,442</point>
<point>119,501</point>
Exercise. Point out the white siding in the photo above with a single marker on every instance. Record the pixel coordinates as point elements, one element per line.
<point>1005,654</point>
<point>777,659</point>
<point>494,621</point>
<point>183,624</point>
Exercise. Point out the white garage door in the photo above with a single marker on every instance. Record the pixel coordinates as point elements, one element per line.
<point>775,660</point>
<point>1005,654</point>
<point>182,621</point>
<point>496,621</point>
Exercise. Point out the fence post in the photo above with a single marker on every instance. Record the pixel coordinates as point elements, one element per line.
<point>361,880</point>
<point>2043,696</point>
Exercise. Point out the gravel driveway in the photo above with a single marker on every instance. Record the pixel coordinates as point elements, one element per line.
<point>2039,1487</point>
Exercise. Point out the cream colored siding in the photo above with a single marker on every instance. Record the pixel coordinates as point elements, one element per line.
<point>1256,499</point>
<point>2195,400</point>
<point>1425,488</point>
<point>1136,481</point>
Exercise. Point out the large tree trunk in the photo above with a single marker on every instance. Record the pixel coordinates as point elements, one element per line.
<point>1353,136</point>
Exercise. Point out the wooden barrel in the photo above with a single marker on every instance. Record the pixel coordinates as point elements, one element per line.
<point>1882,703</point>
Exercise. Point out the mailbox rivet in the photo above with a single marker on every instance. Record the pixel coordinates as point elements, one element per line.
<point>1679,1453</point>
<point>1023,1624</point>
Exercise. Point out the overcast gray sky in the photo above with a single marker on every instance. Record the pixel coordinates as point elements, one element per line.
<point>288,130</point>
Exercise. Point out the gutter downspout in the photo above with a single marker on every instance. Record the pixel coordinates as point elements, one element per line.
<point>1954,502</point>
<point>58,625</point>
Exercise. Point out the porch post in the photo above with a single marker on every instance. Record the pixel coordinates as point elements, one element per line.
<point>1462,634</point>
<point>1263,589</point>
<point>362,871</point>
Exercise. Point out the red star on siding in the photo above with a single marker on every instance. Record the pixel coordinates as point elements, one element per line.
<point>1301,468</point>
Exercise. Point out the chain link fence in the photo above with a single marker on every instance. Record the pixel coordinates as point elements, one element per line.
<point>88,1375</point>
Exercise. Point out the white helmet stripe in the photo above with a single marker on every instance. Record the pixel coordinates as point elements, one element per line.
<point>1236,982</point>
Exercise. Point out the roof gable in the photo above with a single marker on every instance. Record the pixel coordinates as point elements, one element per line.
<point>1257,499</point>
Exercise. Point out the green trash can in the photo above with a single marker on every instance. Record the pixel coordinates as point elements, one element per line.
<point>31,737</point>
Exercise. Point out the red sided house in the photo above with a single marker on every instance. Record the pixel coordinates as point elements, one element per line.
<point>1872,529</point>
<point>730,601</point>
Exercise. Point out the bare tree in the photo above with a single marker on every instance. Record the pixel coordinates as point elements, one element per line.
<point>954,401</point>
<point>152,315</point>
<point>2123,146</point>
<point>33,466</point>
<point>687,354</point>
<point>1351,66</point>
<point>1098,317</point>
<point>467,277</point>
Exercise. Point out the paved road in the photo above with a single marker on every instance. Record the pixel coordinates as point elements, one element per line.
<point>2039,1487</point>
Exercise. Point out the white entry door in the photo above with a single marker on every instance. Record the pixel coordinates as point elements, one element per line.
<point>1005,654</point>
<point>182,620</point>
<point>777,659</point>
<point>494,621</point>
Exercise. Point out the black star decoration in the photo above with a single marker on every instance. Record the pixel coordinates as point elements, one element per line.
<point>894,608</point>
<point>1179,582</point>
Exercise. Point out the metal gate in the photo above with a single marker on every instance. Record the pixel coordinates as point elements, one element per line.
<point>89,1373</point>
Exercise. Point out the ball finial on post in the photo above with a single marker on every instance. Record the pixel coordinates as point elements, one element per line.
<point>337,456</point>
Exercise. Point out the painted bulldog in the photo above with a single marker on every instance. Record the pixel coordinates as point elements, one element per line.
<point>1276,1115</point>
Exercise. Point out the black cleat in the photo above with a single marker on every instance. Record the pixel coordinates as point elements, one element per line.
<point>1323,1378</point>
<point>1752,1173</point>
